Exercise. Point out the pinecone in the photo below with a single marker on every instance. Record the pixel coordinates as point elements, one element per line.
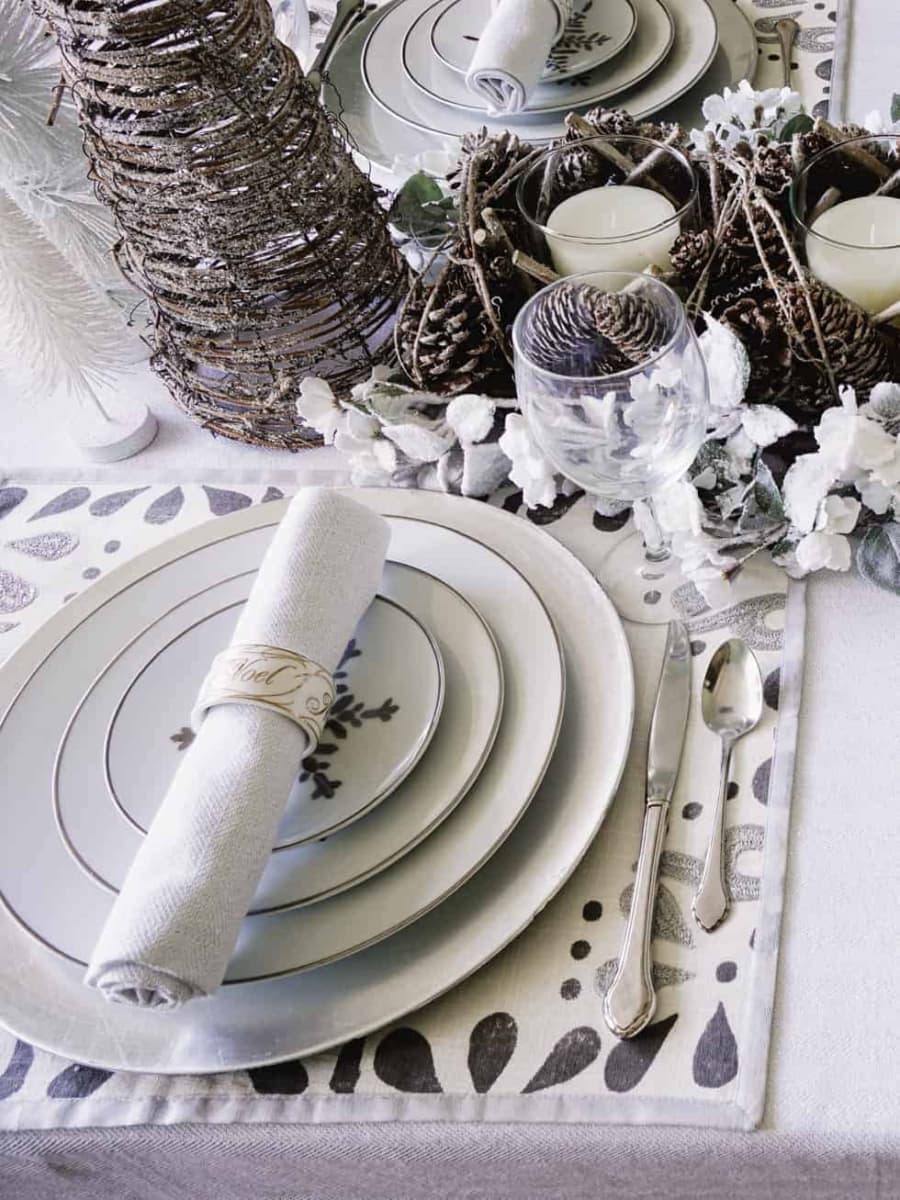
<point>857,351</point>
<point>608,122</point>
<point>737,262</point>
<point>765,339</point>
<point>488,157</point>
<point>443,339</point>
<point>689,255</point>
<point>773,169</point>
<point>576,329</point>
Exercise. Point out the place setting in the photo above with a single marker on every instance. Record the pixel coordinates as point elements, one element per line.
<point>421,747</point>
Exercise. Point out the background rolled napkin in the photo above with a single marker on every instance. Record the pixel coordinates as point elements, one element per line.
<point>175,923</point>
<point>512,51</point>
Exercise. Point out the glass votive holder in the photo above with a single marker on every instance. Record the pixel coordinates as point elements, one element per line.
<point>609,203</point>
<point>846,204</point>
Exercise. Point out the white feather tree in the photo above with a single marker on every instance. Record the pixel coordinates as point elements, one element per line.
<point>63,304</point>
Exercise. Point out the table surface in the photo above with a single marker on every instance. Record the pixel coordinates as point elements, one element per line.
<point>832,1123</point>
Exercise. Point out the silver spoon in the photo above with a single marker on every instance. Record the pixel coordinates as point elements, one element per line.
<point>731,701</point>
<point>787,30</point>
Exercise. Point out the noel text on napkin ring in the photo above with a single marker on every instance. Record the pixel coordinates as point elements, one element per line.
<point>269,677</point>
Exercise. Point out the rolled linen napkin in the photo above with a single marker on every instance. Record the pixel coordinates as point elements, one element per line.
<point>175,922</point>
<point>512,51</point>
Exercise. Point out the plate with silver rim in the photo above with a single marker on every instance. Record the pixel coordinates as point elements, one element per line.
<point>597,31</point>
<point>178,647</point>
<point>252,1025</point>
<point>390,690</point>
<point>644,53</point>
<point>418,94</point>
<point>65,909</point>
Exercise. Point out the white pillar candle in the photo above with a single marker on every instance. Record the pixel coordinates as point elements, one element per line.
<point>612,213</point>
<point>866,267</point>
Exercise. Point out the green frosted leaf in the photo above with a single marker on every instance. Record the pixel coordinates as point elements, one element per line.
<point>878,556</point>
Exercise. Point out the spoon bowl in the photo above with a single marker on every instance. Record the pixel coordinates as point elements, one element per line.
<point>732,704</point>
<point>732,696</point>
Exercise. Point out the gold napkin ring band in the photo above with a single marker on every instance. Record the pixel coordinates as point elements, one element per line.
<point>269,677</point>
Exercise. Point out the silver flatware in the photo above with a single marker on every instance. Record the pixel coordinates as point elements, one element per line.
<point>345,17</point>
<point>732,701</point>
<point>631,1000</point>
<point>787,30</point>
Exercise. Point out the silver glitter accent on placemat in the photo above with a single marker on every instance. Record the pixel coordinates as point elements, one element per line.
<point>15,592</point>
<point>49,546</point>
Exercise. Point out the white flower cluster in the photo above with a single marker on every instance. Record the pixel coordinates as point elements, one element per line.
<point>859,450</point>
<point>394,436</point>
<point>745,115</point>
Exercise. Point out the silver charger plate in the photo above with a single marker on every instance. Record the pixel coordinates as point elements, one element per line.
<point>104,845</point>
<point>42,997</point>
<point>390,690</point>
<point>597,32</point>
<point>62,907</point>
<point>419,104</point>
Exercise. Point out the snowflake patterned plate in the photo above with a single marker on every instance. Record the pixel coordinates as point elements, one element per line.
<point>128,760</point>
<point>390,689</point>
<point>598,30</point>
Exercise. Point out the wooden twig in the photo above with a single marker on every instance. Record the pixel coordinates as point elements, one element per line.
<point>827,200</point>
<point>860,156</point>
<point>530,266</point>
<point>604,149</point>
<point>888,314</point>
<point>58,93</point>
<point>889,184</point>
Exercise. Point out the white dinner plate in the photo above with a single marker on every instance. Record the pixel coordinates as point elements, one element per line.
<point>598,31</point>
<point>43,999</point>
<point>390,689</point>
<point>651,44</point>
<point>104,845</point>
<point>387,59</point>
<point>387,145</point>
<point>60,905</point>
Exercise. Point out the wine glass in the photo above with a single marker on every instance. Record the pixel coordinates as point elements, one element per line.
<point>620,432</point>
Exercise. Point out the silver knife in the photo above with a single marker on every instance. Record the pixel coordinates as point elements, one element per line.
<point>630,1003</point>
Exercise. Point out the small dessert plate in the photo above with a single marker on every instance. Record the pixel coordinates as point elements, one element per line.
<point>598,30</point>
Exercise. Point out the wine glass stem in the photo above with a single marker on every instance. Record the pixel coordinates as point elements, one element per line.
<point>657,554</point>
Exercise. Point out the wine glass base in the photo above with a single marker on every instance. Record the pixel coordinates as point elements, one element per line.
<point>642,589</point>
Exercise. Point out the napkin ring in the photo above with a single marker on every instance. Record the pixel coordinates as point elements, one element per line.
<point>269,677</point>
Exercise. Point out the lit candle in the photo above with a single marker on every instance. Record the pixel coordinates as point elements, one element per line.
<point>637,214</point>
<point>866,266</point>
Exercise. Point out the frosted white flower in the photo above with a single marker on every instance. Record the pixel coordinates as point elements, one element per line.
<point>806,485</point>
<point>438,161</point>
<point>884,398</point>
<point>888,472</point>
<point>678,508</point>
<point>530,470</point>
<point>706,479</point>
<point>838,514</point>
<point>356,432</point>
<point>876,122</point>
<point>485,468</point>
<point>877,497</point>
<point>318,407</point>
<point>419,441</point>
<point>471,417</point>
<point>823,550</point>
<point>741,451</point>
<point>765,424</point>
<point>727,365</point>
<point>850,441</point>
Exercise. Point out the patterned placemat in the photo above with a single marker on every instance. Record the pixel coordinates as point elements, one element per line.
<point>523,1039</point>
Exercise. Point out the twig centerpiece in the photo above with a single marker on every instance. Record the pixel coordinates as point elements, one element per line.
<point>262,248</point>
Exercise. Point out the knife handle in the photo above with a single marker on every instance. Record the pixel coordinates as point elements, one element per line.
<point>630,1003</point>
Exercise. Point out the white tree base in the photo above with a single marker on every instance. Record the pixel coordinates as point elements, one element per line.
<point>113,440</point>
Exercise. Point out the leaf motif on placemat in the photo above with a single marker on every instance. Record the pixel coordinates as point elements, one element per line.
<point>630,1060</point>
<point>10,498</point>
<point>47,546</point>
<point>272,493</point>
<point>222,501</point>
<point>403,1060</point>
<point>71,498</point>
<point>105,506</point>
<point>345,1075</point>
<point>17,1069</point>
<point>77,1081</point>
<point>280,1079</point>
<point>572,1054</point>
<point>165,507</point>
<point>15,592</point>
<point>716,1055</point>
<point>492,1043</point>
<point>663,975</point>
